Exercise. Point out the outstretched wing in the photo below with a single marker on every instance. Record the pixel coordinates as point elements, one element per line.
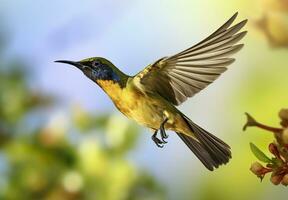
<point>182,75</point>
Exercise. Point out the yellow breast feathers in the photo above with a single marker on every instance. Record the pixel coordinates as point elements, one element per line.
<point>112,88</point>
<point>125,99</point>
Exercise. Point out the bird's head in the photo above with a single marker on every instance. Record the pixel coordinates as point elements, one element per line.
<point>97,68</point>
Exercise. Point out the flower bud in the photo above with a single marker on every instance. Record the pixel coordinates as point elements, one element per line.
<point>285,136</point>
<point>276,179</point>
<point>283,114</point>
<point>250,122</point>
<point>285,180</point>
<point>274,150</point>
<point>257,168</point>
<point>284,124</point>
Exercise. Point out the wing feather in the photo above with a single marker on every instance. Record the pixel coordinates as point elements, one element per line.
<point>186,73</point>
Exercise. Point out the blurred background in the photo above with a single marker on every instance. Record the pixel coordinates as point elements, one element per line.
<point>62,138</point>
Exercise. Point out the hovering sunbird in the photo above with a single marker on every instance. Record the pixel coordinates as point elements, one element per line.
<point>150,96</point>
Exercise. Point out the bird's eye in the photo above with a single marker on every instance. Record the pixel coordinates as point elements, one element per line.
<point>96,63</point>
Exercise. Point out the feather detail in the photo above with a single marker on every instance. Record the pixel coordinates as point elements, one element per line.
<point>186,73</point>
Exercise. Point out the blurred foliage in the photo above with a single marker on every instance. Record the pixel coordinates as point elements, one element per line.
<point>78,157</point>
<point>274,22</point>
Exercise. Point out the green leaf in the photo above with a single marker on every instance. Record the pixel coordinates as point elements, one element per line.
<point>259,154</point>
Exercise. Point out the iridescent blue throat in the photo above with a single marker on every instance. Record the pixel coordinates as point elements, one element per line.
<point>104,72</point>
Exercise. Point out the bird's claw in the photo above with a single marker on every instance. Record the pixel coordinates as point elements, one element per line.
<point>158,142</point>
<point>163,133</point>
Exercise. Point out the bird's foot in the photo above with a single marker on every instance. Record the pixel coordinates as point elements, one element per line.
<point>162,130</point>
<point>158,142</point>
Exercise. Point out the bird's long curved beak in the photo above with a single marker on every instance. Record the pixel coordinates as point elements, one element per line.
<point>76,64</point>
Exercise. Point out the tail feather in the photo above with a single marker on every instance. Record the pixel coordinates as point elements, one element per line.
<point>199,151</point>
<point>209,149</point>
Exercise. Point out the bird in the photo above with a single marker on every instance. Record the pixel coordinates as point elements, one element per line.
<point>150,97</point>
